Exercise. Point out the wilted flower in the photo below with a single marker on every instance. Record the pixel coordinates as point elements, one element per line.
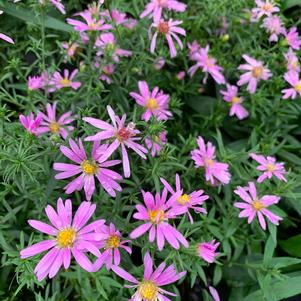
<point>274,26</point>
<point>57,81</point>
<point>292,77</point>
<point>156,142</point>
<point>292,38</point>
<point>292,61</point>
<point>206,250</point>
<point>31,123</point>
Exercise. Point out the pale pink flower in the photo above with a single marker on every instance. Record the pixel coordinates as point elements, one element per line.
<point>156,142</point>
<point>193,200</point>
<point>155,216</point>
<point>67,238</point>
<point>214,293</point>
<point>88,168</point>
<point>106,73</point>
<point>170,30</point>
<point>255,72</point>
<point>159,63</point>
<point>31,123</point>
<point>231,96</point>
<point>57,81</point>
<point>264,8</point>
<point>155,7</point>
<point>57,3</point>
<point>155,102</point>
<point>35,82</point>
<point>194,48</point>
<point>119,135</point>
<point>206,250</point>
<point>256,206</point>
<point>292,61</point>
<point>292,38</point>
<point>292,77</point>
<point>204,156</point>
<point>269,167</point>
<point>119,18</point>
<point>71,48</point>
<point>180,75</point>
<point>111,241</point>
<point>149,288</point>
<point>274,26</point>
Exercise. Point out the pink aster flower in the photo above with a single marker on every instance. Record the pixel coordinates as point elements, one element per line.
<point>292,61</point>
<point>59,82</point>
<point>204,156</point>
<point>206,250</point>
<point>71,49</point>
<point>159,63</point>
<point>155,102</point>
<point>269,167</point>
<point>256,206</point>
<point>193,200</point>
<point>106,44</point>
<point>194,48</point>
<point>53,125</point>
<point>155,215</point>
<point>180,75</point>
<point>111,241</point>
<point>35,82</point>
<point>107,71</point>
<point>156,142</point>
<point>274,26</point>
<point>235,101</point>
<point>119,18</point>
<point>67,237</point>
<point>292,77</point>
<point>264,8</point>
<point>154,8</point>
<point>170,30</point>
<point>206,63</point>
<point>88,168</point>
<point>149,288</point>
<point>123,136</point>
<point>255,72</point>
<point>292,38</point>
<point>31,123</point>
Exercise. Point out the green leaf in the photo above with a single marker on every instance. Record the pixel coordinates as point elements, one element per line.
<point>269,250</point>
<point>204,105</point>
<point>292,246</point>
<point>290,157</point>
<point>291,3</point>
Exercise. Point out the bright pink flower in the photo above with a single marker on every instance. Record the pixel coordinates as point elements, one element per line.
<point>255,72</point>
<point>214,293</point>
<point>204,156</point>
<point>110,243</point>
<point>256,206</point>
<point>193,201</point>
<point>206,63</point>
<point>30,123</point>
<point>159,63</point>
<point>107,70</point>
<point>292,61</point>
<point>71,49</point>
<point>123,136</point>
<point>156,214</point>
<point>148,289</point>
<point>67,238</point>
<point>206,250</point>
<point>154,8</point>
<point>170,30</point>
<point>292,38</point>
<point>230,96</point>
<point>35,83</point>
<point>292,77</point>
<point>57,81</point>
<point>6,38</point>
<point>156,142</point>
<point>119,18</point>
<point>274,26</point>
<point>154,102</point>
<point>88,168</point>
<point>269,167</point>
<point>264,8</point>
<point>53,125</point>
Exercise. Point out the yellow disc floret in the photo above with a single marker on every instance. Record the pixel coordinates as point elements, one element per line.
<point>257,205</point>
<point>156,216</point>
<point>113,242</point>
<point>89,168</point>
<point>54,127</point>
<point>152,104</point>
<point>65,238</point>
<point>148,290</point>
<point>183,199</point>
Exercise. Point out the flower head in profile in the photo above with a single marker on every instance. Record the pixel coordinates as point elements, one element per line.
<point>119,18</point>
<point>58,81</point>
<point>159,63</point>
<point>194,48</point>
<point>67,237</point>
<point>292,77</point>
<point>149,288</point>
<point>264,8</point>
<point>193,200</point>
<point>155,216</point>
<point>292,38</point>
<point>255,206</point>
<point>204,156</point>
<point>120,135</point>
<point>235,101</point>
<point>206,250</point>
<point>155,102</point>
<point>274,26</point>
<point>111,242</point>
<point>170,30</point>
<point>31,123</point>
<point>71,49</point>
<point>155,142</point>
<point>292,61</point>
<point>255,72</point>
<point>88,168</point>
<point>106,73</point>
<point>269,167</point>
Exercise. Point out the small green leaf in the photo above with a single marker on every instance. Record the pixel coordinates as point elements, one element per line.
<point>292,246</point>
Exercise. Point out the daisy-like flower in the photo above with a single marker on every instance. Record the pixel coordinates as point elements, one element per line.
<point>292,38</point>
<point>106,44</point>
<point>206,63</point>
<point>193,200</point>
<point>119,18</point>
<point>292,61</point>
<point>274,26</point>
<point>31,123</point>
<point>68,237</point>
<point>155,7</point>
<point>204,156</point>
<point>269,167</point>
<point>53,125</point>
<point>155,214</point>
<point>71,49</point>
<point>149,288</point>
<point>206,250</point>
<point>170,30</point>
<point>122,135</point>
<point>88,168</point>
<point>292,77</point>
<point>235,101</point>
<point>111,241</point>
<point>156,142</point>
<point>264,8</point>
<point>155,102</point>
<point>255,72</point>
<point>35,82</point>
<point>59,82</point>
<point>256,206</point>
<point>107,71</point>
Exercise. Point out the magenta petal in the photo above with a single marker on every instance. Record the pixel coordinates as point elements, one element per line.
<point>123,274</point>
<point>37,248</point>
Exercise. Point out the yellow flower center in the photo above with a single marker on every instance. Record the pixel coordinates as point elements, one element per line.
<point>257,205</point>
<point>65,238</point>
<point>65,82</point>
<point>267,7</point>
<point>54,127</point>
<point>89,168</point>
<point>110,47</point>
<point>270,167</point>
<point>209,162</point>
<point>298,87</point>
<point>153,216</point>
<point>152,104</point>
<point>235,99</point>
<point>92,26</point>
<point>257,71</point>
<point>148,291</point>
<point>113,242</point>
<point>295,64</point>
<point>183,199</point>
